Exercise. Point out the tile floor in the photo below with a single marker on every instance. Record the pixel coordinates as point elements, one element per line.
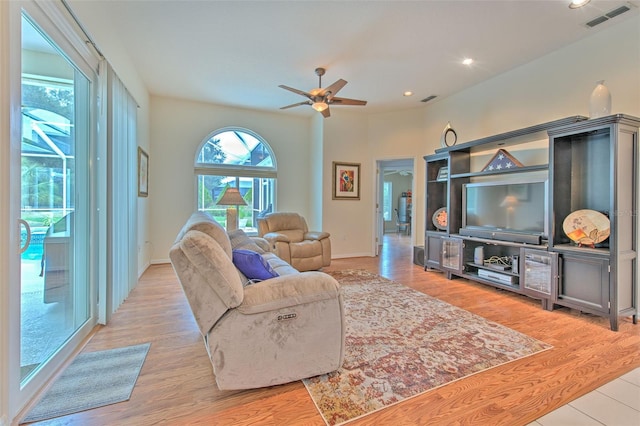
<point>615,404</point>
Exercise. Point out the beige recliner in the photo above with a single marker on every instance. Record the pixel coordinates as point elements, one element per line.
<point>261,333</point>
<point>289,236</point>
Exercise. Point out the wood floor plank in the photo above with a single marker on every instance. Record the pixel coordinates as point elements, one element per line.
<point>176,385</point>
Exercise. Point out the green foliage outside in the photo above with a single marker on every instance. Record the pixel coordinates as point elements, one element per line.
<point>41,177</point>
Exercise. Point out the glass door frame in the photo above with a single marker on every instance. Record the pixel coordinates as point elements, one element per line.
<point>50,17</point>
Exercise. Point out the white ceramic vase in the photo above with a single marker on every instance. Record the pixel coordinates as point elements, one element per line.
<point>600,101</point>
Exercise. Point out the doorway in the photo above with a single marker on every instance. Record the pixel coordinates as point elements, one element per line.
<point>394,199</point>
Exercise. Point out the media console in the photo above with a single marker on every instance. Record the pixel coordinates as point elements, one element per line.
<point>585,164</point>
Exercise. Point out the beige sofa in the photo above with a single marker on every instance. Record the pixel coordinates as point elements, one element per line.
<point>262,333</point>
<point>292,241</point>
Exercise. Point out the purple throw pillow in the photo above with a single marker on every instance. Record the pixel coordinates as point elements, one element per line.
<point>253,265</point>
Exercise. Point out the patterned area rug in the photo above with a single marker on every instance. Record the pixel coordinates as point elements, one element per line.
<point>401,343</point>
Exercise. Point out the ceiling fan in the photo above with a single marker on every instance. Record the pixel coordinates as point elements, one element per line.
<point>320,98</point>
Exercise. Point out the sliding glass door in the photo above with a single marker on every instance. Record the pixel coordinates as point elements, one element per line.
<point>53,205</point>
<point>55,262</point>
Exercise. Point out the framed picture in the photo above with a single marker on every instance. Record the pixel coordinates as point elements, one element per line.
<point>143,173</point>
<point>346,181</point>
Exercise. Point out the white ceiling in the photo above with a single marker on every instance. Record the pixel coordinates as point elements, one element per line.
<point>238,52</point>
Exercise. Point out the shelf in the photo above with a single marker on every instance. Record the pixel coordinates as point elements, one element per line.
<point>543,167</point>
<point>487,241</point>
<point>489,268</point>
<point>475,277</point>
<point>581,250</point>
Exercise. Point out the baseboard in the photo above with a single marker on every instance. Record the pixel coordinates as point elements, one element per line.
<point>159,261</point>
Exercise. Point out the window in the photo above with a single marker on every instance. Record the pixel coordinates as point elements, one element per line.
<point>240,158</point>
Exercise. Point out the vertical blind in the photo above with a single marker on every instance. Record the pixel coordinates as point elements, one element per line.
<point>122,196</point>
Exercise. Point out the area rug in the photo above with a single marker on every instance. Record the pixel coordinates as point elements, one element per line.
<point>93,379</point>
<point>401,343</point>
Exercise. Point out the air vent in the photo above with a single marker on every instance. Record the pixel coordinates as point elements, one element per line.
<point>618,11</point>
<point>599,20</point>
<point>428,98</point>
<point>609,15</point>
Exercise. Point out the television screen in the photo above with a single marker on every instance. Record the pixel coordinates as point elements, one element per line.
<point>506,206</point>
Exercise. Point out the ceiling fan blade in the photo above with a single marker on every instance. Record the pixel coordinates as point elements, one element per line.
<point>299,92</point>
<point>295,105</point>
<point>326,113</point>
<point>346,101</point>
<point>334,88</point>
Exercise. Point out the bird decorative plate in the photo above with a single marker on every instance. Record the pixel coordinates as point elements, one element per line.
<point>440,218</point>
<point>586,227</point>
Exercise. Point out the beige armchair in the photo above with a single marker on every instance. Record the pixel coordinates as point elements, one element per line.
<point>291,240</point>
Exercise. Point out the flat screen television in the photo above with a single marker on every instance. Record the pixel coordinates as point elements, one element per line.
<point>509,210</point>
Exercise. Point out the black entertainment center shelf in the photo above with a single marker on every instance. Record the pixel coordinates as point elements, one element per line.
<point>517,216</point>
<point>541,167</point>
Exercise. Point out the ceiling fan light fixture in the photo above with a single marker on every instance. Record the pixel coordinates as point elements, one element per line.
<point>319,106</point>
<point>575,4</point>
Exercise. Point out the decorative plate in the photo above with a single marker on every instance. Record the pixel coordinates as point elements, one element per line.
<point>586,227</point>
<point>440,218</point>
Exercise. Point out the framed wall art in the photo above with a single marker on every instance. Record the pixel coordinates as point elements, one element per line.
<point>143,173</point>
<point>346,181</point>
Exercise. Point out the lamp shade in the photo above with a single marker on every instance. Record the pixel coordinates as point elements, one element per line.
<point>231,197</point>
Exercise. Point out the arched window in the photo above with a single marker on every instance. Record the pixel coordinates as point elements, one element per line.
<point>239,158</point>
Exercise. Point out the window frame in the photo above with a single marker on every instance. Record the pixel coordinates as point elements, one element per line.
<point>231,170</point>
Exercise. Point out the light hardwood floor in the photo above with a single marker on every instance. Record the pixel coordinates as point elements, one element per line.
<point>176,384</point>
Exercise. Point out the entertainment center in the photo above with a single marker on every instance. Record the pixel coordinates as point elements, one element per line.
<point>517,211</point>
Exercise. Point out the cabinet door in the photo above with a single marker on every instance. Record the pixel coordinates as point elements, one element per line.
<point>584,283</point>
<point>433,250</point>
<point>452,254</point>
<point>539,274</point>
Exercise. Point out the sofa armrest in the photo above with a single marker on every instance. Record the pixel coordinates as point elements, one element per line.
<point>316,235</point>
<point>288,291</point>
<point>276,237</point>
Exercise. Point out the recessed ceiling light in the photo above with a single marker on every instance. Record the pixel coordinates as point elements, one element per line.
<point>467,61</point>
<point>407,93</point>
<point>577,3</point>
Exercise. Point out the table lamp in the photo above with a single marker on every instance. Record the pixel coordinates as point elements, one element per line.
<point>232,198</point>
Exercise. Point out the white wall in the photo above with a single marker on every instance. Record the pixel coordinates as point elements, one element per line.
<point>112,47</point>
<point>316,136</point>
<point>350,222</point>
<point>178,129</point>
